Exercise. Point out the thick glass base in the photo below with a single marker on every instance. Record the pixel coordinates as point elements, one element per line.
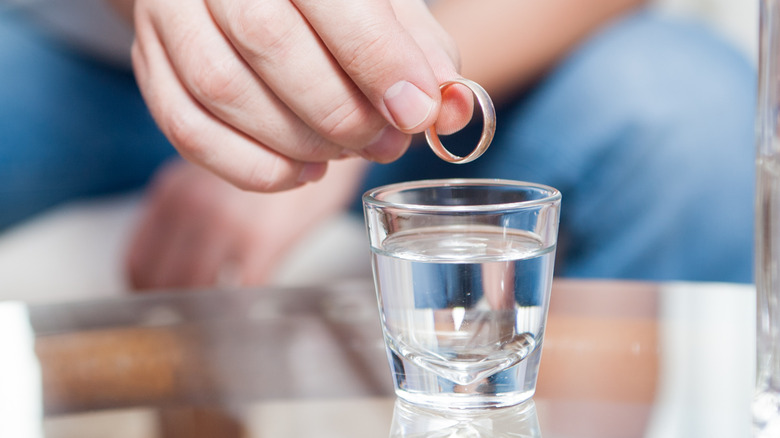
<point>509,387</point>
<point>446,401</point>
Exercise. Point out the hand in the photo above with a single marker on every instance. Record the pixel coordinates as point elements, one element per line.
<point>197,229</point>
<point>266,92</point>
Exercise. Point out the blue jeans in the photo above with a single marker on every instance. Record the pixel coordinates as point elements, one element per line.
<point>646,128</point>
<point>70,127</point>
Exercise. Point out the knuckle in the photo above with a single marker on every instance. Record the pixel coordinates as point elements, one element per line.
<point>368,50</point>
<point>262,28</point>
<point>182,130</point>
<point>350,124</point>
<point>302,142</point>
<point>315,147</point>
<point>215,82</point>
<point>268,175</point>
<point>179,128</point>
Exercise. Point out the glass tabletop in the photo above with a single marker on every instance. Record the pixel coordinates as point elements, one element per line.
<point>620,359</point>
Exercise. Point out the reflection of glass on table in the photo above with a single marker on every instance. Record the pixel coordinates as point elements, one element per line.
<point>412,421</point>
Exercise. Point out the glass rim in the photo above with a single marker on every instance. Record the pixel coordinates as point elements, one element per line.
<point>370,197</point>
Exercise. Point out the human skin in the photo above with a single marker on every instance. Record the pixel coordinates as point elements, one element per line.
<point>198,230</point>
<point>266,93</point>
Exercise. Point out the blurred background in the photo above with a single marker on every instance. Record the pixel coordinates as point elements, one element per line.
<point>74,251</point>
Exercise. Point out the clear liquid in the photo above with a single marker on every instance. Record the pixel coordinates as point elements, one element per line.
<point>463,312</point>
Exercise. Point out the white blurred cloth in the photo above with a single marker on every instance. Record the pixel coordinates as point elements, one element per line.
<point>21,402</point>
<point>704,345</point>
<point>737,20</point>
<point>76,252</point>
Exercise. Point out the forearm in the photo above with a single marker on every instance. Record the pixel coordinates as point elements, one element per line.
<point>507,44</point>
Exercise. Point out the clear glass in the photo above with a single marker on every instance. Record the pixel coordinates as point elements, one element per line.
<point>411,421</point>
<point>463,270</point>
<point>766,405</point>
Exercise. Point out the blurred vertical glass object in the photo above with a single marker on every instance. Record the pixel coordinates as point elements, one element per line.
<point>766,404</point>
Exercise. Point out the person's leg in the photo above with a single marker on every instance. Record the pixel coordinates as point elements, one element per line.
<point>647,130</point>
<point>70,127</point>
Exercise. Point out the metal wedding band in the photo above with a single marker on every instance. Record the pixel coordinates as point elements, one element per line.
<point>488,127</point>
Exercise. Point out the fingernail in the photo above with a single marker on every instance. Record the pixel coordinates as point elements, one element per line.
<point>408,105</point>
<point>386,146</point>
<point>312,172</point>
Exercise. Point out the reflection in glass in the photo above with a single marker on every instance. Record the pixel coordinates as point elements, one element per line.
<point>412,421</point>
<point>766,406</point>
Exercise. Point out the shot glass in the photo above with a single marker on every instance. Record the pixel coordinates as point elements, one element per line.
<point>463,270</point>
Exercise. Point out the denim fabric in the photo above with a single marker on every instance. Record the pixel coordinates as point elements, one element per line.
<point>70,127</point>
<point>646,128</point>
<point>647,131</point>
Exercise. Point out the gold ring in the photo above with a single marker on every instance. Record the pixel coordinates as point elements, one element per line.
<point>488,128</point>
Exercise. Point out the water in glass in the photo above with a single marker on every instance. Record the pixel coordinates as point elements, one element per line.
<point>463,311</point>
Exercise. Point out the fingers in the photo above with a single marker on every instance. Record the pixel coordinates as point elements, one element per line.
<point>279,44</point>
<point>397,54</point>
<point>178,258</point>
<point>193,233</point>
<point>456,111</point>
<point>442,54</point>
<point>174,245</point>
<point>263,93</point>
<point>202,137</point>
<point>218,78</point>
<point>197,230</point>
<point>381,58</point>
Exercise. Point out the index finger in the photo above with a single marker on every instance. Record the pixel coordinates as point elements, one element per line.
<point>381,57</point>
